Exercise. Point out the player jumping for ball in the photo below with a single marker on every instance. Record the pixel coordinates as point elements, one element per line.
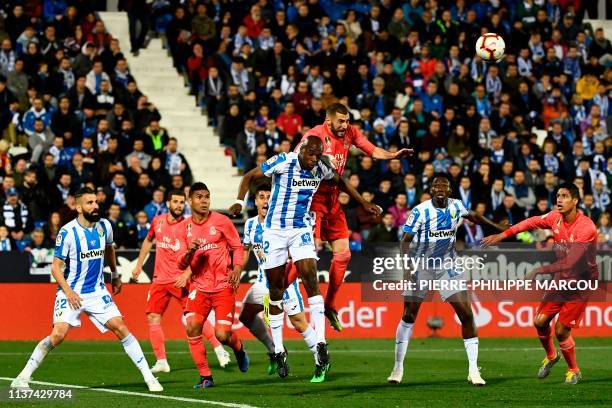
<point>434,223</point>
<point>255,298</point>
<point>288,231</point>
<point>82,248</point>
<point>168,280</point>
<point>575,230</point>
<point>338,136</point>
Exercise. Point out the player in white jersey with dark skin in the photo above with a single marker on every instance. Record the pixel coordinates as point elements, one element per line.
<point>256,298</point>
<point>82,248</point>
<point>434,223</point>
<point>288,231</point>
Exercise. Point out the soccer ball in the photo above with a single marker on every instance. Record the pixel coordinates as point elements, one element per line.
<point>490,47</point>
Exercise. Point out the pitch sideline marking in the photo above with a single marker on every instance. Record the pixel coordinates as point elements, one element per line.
<point>496,349</point>
<point>139,394</point>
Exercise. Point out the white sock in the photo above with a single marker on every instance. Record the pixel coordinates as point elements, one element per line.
<point>132,348</point>
<point>276,326</point>
<point>258,328</point>
<point>38,355</point>
<point>310,337</point>
<point>317,316</point>
<point>402,338</point>
<point>471,348</point>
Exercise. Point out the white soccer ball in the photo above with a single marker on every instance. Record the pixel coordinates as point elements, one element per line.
<point>490,47</point>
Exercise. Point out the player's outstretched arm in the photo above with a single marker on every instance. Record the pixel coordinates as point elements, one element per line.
<point>74,300</point>
<point>537,222</point>
<point>147,244</point>
<point>350,190</point>
<point>480,220</point>
<point>246,181</point>
<point>382,154</point>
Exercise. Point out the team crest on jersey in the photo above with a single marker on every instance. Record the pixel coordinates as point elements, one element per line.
<point>328,144</point>
<point>159,225</point>
<point>272,160</point>
<point>189,230</point>
<point>453,213</point>
<point>100,231</point>
<point>213,230</point>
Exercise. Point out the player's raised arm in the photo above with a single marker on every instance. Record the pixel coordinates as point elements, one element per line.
<point>531,223</point>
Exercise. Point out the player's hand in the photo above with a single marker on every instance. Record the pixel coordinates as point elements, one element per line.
<point>329,161</point>
<point>403,153</point>
<point>492,240</point>
<point>532,275</point>
<point>116,284</point>
<point>136,273</point>
<point>182,279</point>
<point>372,208</point>
<point>74,300</point>
<point>194,245</point>
<point>234,277</point>
<point>235,209</point>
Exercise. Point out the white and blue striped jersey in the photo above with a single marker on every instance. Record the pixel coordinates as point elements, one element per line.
<point>292,190</point>
<point>82,250</point>
<point>253,237</point>
<point>435,229</point>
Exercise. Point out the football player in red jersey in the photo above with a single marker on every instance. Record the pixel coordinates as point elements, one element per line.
<point>338,135</point>
<point>212,256</point>
<point>168,281</point>
<point>576,233</point>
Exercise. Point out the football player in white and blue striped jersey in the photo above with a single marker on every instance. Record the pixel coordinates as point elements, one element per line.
<point>256,298</point>
<point>430,230</point>
<point>81,249</point>
<point>288,231</point>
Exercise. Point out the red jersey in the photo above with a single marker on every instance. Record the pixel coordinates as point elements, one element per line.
<point>167,246</point>
<point>339,149</point>
<point>579,239</point>
<point>289,124</point>
<point>221,250</point>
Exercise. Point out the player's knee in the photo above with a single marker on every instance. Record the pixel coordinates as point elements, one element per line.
<point>245,318</point>
<point>153,318</point>
<point>540,322</point>
<point>276,293</point>
<point>561,332</point>
<point>223,335</point>
<point>57,337</point>
<point>343,257</point>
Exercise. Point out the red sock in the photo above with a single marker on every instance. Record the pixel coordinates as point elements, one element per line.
<point>291,274</point>
<point>198,353</point>
<point>547,341</point>
<point>337,270</point>
<point>156,336</point>
<point>234,342</point>
<point>209,332</point>
<point>568,348</point>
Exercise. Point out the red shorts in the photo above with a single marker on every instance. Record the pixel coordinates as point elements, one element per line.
<point>160,294</point>
<point>570,313</point>
<point>223,303</point>
<point>330,222</point>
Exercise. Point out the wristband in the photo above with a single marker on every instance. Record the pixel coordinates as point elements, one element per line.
<point>241,202</point>
<point>115,275</point>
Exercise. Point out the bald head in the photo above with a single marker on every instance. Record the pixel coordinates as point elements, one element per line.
<point>311,151</point>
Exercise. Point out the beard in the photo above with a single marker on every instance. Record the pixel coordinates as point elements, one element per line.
<point>336,131</point>
<point>92,216</point>
<point>177,214</point>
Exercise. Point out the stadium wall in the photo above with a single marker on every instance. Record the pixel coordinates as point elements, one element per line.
<point>27,315</point>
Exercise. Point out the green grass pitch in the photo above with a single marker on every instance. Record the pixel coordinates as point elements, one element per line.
<point>435,375</point>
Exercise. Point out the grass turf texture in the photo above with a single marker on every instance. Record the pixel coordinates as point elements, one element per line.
<point>435,375</point>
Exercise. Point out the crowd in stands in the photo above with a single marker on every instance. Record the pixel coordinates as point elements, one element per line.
<point>266,71</point>
<point>71,115</point>
<point>506,133</point>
